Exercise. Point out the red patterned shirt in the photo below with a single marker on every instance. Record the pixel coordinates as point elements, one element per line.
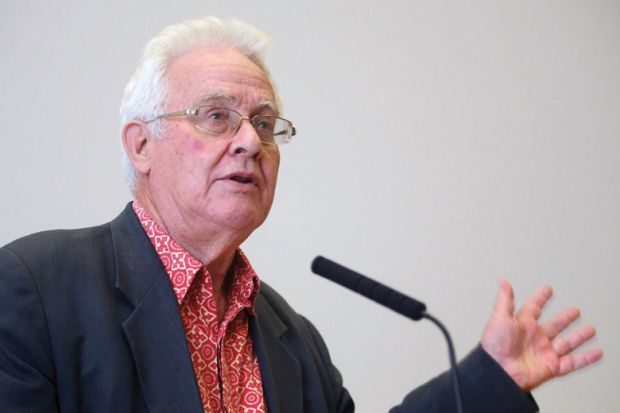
<point>224,362</point>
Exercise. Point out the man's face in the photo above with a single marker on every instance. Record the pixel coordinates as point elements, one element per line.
<point>200,183</point>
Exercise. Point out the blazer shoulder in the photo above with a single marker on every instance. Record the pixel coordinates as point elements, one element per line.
<point>284,313</point>
<point>54,246</point>
<point>273,297</point>
<point>45,244</point>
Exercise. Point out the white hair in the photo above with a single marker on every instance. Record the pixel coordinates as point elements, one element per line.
<point>145,93</point>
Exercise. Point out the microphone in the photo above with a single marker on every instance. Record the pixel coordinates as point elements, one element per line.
<point>369,288</point>
<point>393,299</point>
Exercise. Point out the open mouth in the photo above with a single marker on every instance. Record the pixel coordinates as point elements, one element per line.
<point>244,179</point>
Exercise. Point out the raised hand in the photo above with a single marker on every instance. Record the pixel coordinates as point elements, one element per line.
<point>530,352</point>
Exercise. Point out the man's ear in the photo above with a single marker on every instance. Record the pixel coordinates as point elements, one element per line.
<point>138,142</point>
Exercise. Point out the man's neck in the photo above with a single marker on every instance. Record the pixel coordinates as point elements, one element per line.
<point>215,249</point>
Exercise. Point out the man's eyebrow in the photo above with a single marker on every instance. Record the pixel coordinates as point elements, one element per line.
<point>230,100</point>
<point>267,104</point>
<point>217,96</point>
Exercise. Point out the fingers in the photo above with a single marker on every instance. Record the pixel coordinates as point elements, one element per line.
<point>534,306</point>
<point>504,302</point>
<point>565,345</point>
<point>557,324</point>
<point>570,363</point>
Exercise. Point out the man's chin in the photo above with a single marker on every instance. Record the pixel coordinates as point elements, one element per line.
<point>242,219</point>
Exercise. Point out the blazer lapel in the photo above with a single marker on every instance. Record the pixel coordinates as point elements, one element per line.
<point>154,329</point>
<point>280,369</point>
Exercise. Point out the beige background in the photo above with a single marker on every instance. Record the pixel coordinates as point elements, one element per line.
<point>441,145</point>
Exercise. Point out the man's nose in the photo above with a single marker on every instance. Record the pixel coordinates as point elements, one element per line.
<point>245,139</point>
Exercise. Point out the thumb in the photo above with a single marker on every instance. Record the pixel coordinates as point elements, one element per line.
<point>504,302</point>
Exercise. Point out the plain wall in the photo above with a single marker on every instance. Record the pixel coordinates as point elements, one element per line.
<point>441,145</point>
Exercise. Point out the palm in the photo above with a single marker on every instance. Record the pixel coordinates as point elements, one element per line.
<point>530,352</point>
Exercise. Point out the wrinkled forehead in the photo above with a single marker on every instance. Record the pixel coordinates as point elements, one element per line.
<point>217,73</point>
<point>223,99</point>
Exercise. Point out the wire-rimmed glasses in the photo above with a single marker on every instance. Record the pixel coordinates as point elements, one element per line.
<point>220,121</point>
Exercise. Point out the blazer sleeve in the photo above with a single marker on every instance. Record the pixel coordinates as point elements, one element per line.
<point>26,367</point>
<point>485,388</point>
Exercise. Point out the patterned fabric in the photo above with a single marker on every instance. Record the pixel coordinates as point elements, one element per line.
<point>224,362</point>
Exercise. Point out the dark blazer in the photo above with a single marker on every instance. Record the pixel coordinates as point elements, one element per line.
<point>89,323</point>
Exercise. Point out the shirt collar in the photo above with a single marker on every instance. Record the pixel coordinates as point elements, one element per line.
<point>182,267</point>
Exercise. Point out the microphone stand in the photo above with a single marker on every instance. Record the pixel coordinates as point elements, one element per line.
<point>454,370</point>
<point>386,296</point>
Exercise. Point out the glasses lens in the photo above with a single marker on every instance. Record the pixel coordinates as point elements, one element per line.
<point>220,121</point>
<point>272,129</point>
<point>217,121</point>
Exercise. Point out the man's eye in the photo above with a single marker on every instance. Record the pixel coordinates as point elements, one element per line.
<point>264,124</point>
<point>216,115</point>
<point>214,120</point>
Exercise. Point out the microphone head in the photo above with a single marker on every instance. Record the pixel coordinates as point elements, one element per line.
<point>368,287</point>
<point>335,272</point>
<point>317,264</point>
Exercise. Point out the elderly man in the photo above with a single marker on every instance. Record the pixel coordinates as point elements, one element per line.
<point>160,311</point>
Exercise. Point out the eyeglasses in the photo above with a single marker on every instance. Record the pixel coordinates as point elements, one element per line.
<point>225,121</point>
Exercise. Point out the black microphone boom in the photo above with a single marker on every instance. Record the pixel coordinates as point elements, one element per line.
<point>390,298</point>
<point>367,287</point>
